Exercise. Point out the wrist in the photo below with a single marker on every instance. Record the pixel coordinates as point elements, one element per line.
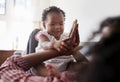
<point>53,44</point>
<point>56,45</point>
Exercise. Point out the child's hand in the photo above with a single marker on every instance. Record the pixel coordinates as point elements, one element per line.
<point>61,46</point>
<point>68,76</point>
<point>65,49</point>
<point>69,45</point>
<point>60,77</point>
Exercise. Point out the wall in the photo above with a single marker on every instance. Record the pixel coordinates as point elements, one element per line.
<point>19,23</point>
<point>88,12</point>
<point>37,7</point>
<point>5,21</point>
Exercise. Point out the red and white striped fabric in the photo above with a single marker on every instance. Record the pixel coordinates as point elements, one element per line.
<point>15,67</point>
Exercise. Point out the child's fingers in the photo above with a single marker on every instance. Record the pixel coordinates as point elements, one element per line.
<point>52,71</point>
<point>49,69</point>
<point>68,76</point>
<point>58,49</point>
<point>68,40</point>
<point>65,45</point>
<point>63,49</point>
<point>48,66</point>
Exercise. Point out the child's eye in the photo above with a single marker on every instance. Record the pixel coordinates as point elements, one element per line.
<point>61,24</point>
<point>52,24</point>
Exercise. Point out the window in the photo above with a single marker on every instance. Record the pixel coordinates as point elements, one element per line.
<point>22,24</point>
<point>2,7</point>
<point>16,25</point>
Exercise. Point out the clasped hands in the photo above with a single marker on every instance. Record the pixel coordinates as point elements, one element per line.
<point>69,45</point>
<point>66,46</point>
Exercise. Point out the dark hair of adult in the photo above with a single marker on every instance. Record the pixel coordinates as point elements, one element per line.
<point>111,22</point>
<point>106,55</point>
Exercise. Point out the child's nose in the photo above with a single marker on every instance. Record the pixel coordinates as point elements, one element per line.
<point>57,26</point>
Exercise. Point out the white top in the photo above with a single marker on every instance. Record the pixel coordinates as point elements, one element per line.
<point>59,62</point>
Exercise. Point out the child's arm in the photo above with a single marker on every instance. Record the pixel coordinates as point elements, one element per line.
<point>45,43</point>
<point>59,45</point>
<point>81,62</point>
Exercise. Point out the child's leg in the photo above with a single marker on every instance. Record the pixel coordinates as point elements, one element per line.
<point>41,70</point>
<point>81,62</point>
<point>76,66</point>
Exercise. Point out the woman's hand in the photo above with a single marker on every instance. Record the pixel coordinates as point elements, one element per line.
<point>62,46</point>
<point>65,49</point>
<point>68,45</point>
<point>74,35</point>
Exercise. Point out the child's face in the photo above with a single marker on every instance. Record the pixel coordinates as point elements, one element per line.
<point>54,24</point>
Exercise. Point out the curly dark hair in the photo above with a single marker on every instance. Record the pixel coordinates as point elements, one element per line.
<point>106,55</point>
<point>111,22</point>
<point>50,10</point>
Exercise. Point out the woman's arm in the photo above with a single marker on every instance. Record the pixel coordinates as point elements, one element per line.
<point>36,58</point>
<point>13,69</point>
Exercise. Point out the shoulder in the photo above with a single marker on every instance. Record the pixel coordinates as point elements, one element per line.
<point>41,34</point>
